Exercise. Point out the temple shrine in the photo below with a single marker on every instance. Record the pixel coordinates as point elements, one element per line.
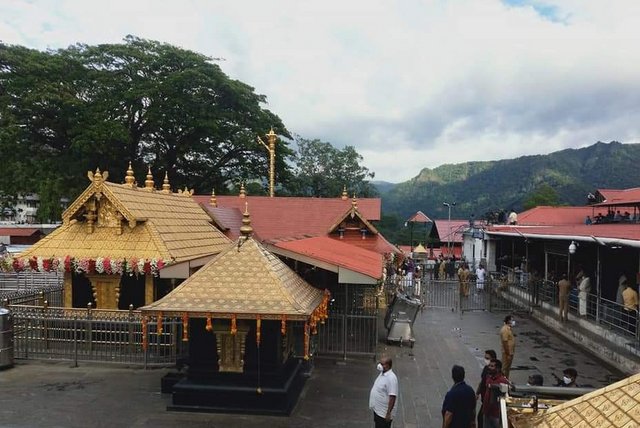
<point>122,245</point>
<point>248,320</point>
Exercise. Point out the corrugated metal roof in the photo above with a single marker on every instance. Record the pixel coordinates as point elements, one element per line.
<point>338,253</point>
<point>544,215</point>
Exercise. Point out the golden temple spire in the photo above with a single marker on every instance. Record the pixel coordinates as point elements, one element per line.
<point>345,195</point>
<point>129,179</point>
<point>166,188</point>
<point>246,230</point>
<point>354,202</point>
<point>148,183</point>
<point>213,201</point>
<point>271,148</point>
<point>243,193</point>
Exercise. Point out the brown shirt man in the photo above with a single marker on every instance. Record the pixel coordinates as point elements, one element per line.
<point>508,348</point>
<point>564,288</point>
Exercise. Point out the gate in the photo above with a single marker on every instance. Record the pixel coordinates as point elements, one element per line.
<point>440,294</point>
<point>352,325</point>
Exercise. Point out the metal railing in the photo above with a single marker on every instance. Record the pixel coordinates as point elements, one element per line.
<point>29,281</point>
<point>72,334</point>
<point>53,295</point>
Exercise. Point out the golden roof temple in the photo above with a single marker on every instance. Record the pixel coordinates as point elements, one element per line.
<point>246,281</point>
<point>617,405</point>
<point>115,235</point>
<point>122,221</point>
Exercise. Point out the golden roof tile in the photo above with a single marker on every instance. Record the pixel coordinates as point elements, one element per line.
<point>617,405</point>
<point>133,222</point>
<point>245,280</point>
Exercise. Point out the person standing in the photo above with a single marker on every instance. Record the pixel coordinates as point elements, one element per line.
<point>481,273</point>
<point>508,342</point>
<point>490,402</point>
<point>382,398</point>
<point>584,287</point>
<point>459,405</point>
<point>489,355</point>
<point>630,300</point>
<point>564,288</point>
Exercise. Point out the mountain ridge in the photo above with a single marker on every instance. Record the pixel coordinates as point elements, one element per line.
<point>481,186</point>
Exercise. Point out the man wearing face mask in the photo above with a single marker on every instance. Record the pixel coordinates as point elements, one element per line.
<point>490,402</point>
<point>489,355</point>
<point>569,377</point>
<point>382,399</point>
<point>508,342</point>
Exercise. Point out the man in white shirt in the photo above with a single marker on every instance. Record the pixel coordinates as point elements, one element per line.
<point>480,277</point>
<point>382,399</point>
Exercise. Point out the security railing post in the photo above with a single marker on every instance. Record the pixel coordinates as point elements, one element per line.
<point>75,341</point>
<point>89,329</point>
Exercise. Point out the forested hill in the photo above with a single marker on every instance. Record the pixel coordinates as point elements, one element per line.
<point>479,187</point>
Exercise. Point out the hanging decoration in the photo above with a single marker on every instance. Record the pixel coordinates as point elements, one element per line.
<point>258,332</point>
<point>185,327</point>
<point>283,325</point>
<point>234,326</point>
<point>144,333</point>
<point>306,341</point>
<point>159,322</point>
<point>99,265</point>
<point>209,326</point>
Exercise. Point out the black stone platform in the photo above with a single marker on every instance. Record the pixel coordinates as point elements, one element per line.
<point>238,393</point>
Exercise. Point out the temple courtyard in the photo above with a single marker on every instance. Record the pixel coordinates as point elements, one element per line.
<point>53,394</point>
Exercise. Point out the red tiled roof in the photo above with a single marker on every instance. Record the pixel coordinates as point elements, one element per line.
<point>228,219</point>
<point>376,243</point>
<point>419,217</point>
<point>18,231</point>
<point>451,231</point>
<point>337,253</point>
<point>544,215</point>
<point>291,217</point>
<point>620,197</point>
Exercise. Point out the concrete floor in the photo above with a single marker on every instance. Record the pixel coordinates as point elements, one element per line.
<point>53,394</point>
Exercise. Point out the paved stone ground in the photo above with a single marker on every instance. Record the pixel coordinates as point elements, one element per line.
<point>40,394</point>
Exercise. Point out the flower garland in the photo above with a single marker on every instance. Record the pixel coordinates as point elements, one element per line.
<point>100,265</point>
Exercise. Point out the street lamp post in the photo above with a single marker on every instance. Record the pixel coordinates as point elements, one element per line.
<point>449,205</point>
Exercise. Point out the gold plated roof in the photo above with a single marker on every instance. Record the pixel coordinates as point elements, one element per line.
<point>617,405</point>
<point>132,222</point>
<point>245,280</point>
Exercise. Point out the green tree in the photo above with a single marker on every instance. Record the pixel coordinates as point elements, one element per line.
<point>67,111</point>
<point>321,170</point>
<point>543,195</point>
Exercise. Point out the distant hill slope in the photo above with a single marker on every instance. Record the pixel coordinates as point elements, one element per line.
<point>478,187</point>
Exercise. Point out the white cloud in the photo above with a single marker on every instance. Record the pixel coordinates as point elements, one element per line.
<point>409,84</point>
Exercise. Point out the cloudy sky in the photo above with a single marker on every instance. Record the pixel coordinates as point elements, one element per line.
<point>409,83</point>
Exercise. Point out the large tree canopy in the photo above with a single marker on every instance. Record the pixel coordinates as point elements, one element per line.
<point>321,170</point>
<point>67,111</point>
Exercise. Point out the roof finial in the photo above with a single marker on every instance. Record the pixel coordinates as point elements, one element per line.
<point>243,193</point>
<point>213,201</point>
<point>246,230</point>
<point>166,188</point>
<point>129,179</point>
<point>354,201</point>
<point>148,183</point>
<point>345,195</point>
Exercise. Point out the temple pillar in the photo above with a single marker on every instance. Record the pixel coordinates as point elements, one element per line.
<point>68,290</point>
<point>148,289</point>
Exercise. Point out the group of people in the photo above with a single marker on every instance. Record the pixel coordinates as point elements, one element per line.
<point>460,402</point>
<point>611,217</point>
